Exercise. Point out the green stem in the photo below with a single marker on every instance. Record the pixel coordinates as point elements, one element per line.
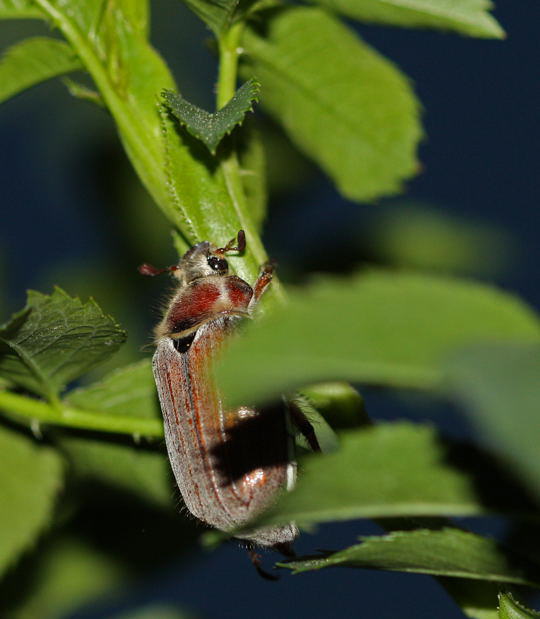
<point>37,410</point>
<point>229,43</point>
<point>229,51</point>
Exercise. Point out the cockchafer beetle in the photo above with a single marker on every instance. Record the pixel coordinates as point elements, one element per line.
<point>229,464</point>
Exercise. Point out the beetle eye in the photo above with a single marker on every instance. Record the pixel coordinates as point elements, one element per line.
<point>217,264</point>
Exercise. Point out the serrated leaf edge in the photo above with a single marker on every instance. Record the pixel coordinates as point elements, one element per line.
<point>520,605</point>
<point>390,537</point>
<point>51,395</point>
<point>251,85</point>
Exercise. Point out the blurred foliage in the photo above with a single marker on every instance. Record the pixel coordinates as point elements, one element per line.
<point>379,327</point>
<point>69,573</point>
<point>419,237</point>
<point>31,478</point>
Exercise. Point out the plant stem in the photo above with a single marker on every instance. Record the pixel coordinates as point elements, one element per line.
<point>37,410</point>
<point>229,51</point>
<point>228,64</point>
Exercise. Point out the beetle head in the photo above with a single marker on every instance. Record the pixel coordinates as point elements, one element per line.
<point>205,259</point>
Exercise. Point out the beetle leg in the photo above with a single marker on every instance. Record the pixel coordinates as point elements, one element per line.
<point>255,559</point>
<point>265,277</point>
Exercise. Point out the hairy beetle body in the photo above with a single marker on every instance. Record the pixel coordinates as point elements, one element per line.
<point>229,464</point>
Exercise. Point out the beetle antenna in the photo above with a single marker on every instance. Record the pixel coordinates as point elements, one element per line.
<point>152,271</point>
<point>240,241</point>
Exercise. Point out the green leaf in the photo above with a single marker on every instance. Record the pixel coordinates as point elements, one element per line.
<point>127,391</point>
<point>54,340</point>
<point>137,469</point>
<point>212,128</point>
<point>81,91</point>
<point>416,237</point>
<point>349,109</point>
<point>19,9</point>
<point>140,469</point>
<point>339,403</point>
<point>326,437</point>
<point>500,386</point>
<point>219,15</point>
<point>509,608</point>
<point>327,406</point>
<point>33,61</point>
<point>469,17</point>
<point>138,14</point>
<point>386,471</point>
<point>384,328</point>
<point>69,573</point>
<point>445,552</point>
<point>30,478</point>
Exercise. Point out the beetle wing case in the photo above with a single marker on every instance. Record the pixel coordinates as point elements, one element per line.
<point>229,464</point>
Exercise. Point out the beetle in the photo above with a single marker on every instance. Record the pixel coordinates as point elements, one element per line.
<point>229,464</point>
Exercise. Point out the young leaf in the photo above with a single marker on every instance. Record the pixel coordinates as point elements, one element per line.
<point>384,471</point>
<point>19,9</point>
<point>342,103</point>
<point>445,552</point>
<point>219,15</point>
<point>509,608</point>
<point>30,478</point>
<point>385,328</point>
<point>212,128</point>
<point>81,91</point>
<point>33,61</point>
<point>54,340</point>
<point>138,14</point>
<point>500,385</point>
<point>469,17</point>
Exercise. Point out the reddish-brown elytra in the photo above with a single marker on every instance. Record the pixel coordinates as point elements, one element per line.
<point>229,464</point>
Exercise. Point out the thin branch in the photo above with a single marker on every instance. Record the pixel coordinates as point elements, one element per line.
<point>229,51</point>
<point>37,410</point>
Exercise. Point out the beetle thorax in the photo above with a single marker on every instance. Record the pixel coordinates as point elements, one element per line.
<point>204,299</point>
